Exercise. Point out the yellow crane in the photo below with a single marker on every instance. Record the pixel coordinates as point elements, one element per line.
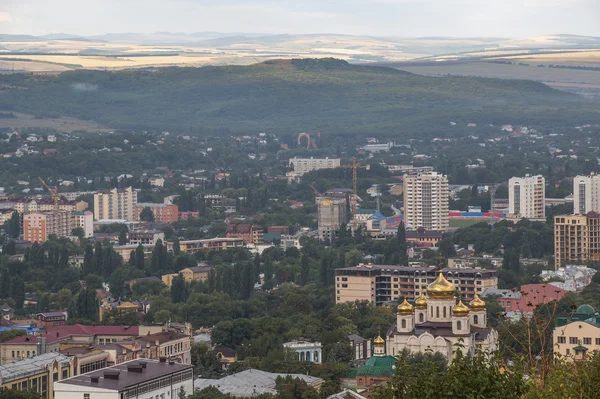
<point>53,192</point>
<point>354,166</point>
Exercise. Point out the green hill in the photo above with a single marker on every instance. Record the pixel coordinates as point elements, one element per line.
<point>291,96</point>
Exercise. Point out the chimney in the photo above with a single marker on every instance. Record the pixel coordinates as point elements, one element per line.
<point>94,380</point>
<point>111,375</point>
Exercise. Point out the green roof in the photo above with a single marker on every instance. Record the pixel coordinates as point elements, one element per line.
<point>378,366</point>
<point>580,348</point>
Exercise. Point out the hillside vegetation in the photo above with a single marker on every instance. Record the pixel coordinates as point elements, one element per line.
<point>290,96</point>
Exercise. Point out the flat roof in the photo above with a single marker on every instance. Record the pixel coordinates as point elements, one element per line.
<point>28,367</point>
<point>153,370</point>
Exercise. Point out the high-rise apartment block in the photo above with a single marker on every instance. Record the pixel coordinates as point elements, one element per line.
<point>163,213</point>
<point>526,197</point>
<point>115,204</point>
<point>586,194</point>
<point>426,201</point>
<point>303,165</point>
<point>331,215</point>
<point>576,238</point>
<point>38,226</point>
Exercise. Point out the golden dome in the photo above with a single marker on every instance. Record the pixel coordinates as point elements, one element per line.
<point>379,340</point>
<point>405,308</point>
<point>477,303</point>
<point>441,288</point>
<point>421,302</point>
<point>460,309</point>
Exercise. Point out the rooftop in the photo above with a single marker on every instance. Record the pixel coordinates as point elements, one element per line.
<point>31,366</point>
<point>63,332</point>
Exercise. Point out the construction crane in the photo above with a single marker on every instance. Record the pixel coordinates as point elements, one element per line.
<point>354,168</point>
<point>53,192</point>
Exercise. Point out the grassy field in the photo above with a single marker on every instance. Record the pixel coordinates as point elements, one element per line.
<point>459,223</point>
<point>63,124</point>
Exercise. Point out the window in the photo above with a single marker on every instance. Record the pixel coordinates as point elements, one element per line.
<point>437,311</point>
<point>459,325</point>
<point>562,340</point>
<point>587,341</point>
<point>476,319</point>
<point>573,340</point>
<point>568,351</point>
<point>403,323</point>
<point>444,308</point>
<point>86,396</point>
<point>597,341</point>
<point>421,318</point>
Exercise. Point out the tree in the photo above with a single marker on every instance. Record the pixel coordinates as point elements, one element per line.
<point>340,352</point>
<point>401,237</point>
<point>78,232</point>
<point>9,248</point>
<point>176,247</point>
<point>11,334</point>
<point>86,305</point>
<point>304,270</point>
<point>178,289</point>
<point>139,257</point>
<point>17,291</point>
<point>6,393</point>
<point>14,225</point>
<point>146,214</point>
<point>123,237</point>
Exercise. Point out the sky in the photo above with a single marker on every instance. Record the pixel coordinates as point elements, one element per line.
<point>407,18</point>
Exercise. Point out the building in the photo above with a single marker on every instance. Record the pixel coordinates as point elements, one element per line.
<point>586,194</point>
<point>306,351</point>
<point>526,197</point>
<point>188,215</point>
<point>385,147</point>
<point>125,250</point>
<point>437,322</point>
<point>426,201</point>
<point>189,274</point>
<point>38,226</point>
<point>574,336</point>
<point>424,238</point>
<point>574,277</point>
<point>251,383</point>
<point>190,246</point>
<point>576,238</point>
<point>134,379</point>
<point>250,233</point>
<point>50,320</point>
<point>145,237</point>
<point>377,370</point>
<point>115,204</point>
<point>524,301</point>
<point>331,215</point>
<point>303,165</point>
<point>225,356</point>
<point>170,344</point>
<point>83,220</point>
<point>37,374</point>
<point>361,347</point>
<point>382,284</point>
<point>163,213</point>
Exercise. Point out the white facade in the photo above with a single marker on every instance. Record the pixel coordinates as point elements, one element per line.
<point>586,194</point>
<point>306,351</point>
<point>115,204</point>
<point>526,197</point>
<point>85,220</point>
<point>426,201</point>
<point>303,165</point>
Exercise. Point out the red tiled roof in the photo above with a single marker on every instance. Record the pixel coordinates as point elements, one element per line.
<point>60,333</point>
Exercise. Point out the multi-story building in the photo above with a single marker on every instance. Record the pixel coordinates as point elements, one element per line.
<point>576,238</point>
<point>169,344</point>
<point>250,233</point>
<point>189,274</point>
<point>303,165</point>
<point>163,213</point>
<point>526,197</point>
<point>381,284</point>
<point>331,215</point>
<point>134,379</point>
<point>38,226</point>
<point>524,301</point>
<point>426,201</point>
<point>586,194</point>
<point>115,204</point>
<point>49,320</point>
<point>84,220</point>
<point>145,237</point>
<point>37,374</point>
<point>578,334</point>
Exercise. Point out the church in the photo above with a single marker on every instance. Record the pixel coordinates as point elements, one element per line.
<point>438,323</point>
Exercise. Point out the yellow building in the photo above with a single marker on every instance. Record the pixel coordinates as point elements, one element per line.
<point>121,307</point>
<point>190,275</point>
<point>573,337</point>
<point>576,238</point>
<point>37,374</point>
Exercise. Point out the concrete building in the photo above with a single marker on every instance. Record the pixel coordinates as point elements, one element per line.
<point>382,284</point>
<point>361,347</point>
<point>115,204</point>
<point>38,226</point>
<point>437,322</point>
<point>190,275</point>
<point>145,237</point>
<point>576,239</point>
<point>84,220</point>
<point>526,197</point>
<point>250,233</point>
<point>163,213</point>
<point>331,215</point>
<point>303,165</point>
<point>37,374</point>
<point>306,351</point>
<point>134,379</point>
<point>190,246</point>
<point>574,336</point>
<point>426,201</point>
<point>524,301</point>
<point>586,194</point>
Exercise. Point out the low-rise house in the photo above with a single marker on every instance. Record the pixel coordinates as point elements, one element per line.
<point>190,275</point>
<point>50,320</point>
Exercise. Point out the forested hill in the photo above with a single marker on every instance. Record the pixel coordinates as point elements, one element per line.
<point>291,96</point>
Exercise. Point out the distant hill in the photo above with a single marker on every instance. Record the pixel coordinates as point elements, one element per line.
<point>327,95</point>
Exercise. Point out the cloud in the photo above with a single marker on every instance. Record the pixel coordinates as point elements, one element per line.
<point>5,17</point>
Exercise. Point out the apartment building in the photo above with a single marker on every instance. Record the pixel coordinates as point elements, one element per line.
<point>303,165</point>
<point>38,226</point>
<point>331,215</point>
<point>250,233</point>
<point>385,283</point>
<point>163,213</point>
<point>578,336</point>
<point>426,201</point>
<point>586,194</point>
<point>526,197</point>
<point>115,204</point>
<point>84,220</point>
<point>145,237</point>
<point>576,238</point>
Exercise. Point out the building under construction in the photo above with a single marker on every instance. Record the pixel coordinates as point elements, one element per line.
<point>332,213</point>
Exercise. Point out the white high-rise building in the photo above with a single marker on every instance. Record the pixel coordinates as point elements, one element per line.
<point>426,201</point>
<point>115,204</point>
<point>526,197</point>
<point>586,194</point>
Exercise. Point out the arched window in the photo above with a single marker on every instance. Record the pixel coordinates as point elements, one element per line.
<point>431,311</point>
<point>307,356</point>
<point>476,319</point>
<point>421,318</point>
<point>459,325</point>
<point>316,358</point>
<point>484,319</point>
<point>301,356</point>
<point>360,381</point>
<point>444,312</point>
<point>403,323</point>
<point>437,311</point>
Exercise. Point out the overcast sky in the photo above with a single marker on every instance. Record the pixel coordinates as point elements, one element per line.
<point>500,18</point>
